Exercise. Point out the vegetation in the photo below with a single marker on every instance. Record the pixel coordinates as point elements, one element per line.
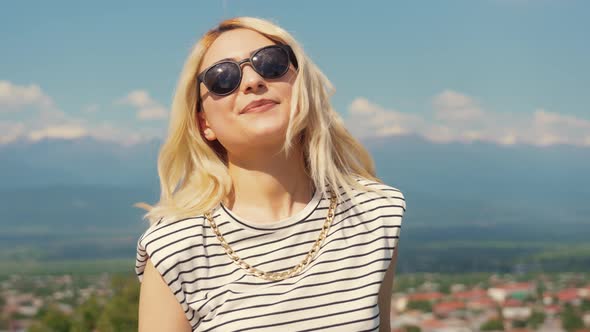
<point>571,320</point>
<point>408,281</point>
<point>117,313</point>
<point>492,325</point>
<point>519,323</point>
<point>537,318</point>
<point>51,319</point>
<point>3,323</point>
<point>73,267</point>
<point>423,306</point>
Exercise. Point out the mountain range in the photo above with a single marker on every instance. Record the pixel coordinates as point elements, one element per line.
<point>62,198</point>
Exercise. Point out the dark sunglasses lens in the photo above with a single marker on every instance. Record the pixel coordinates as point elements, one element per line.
<point>271,62</point>
<point>223,78</point>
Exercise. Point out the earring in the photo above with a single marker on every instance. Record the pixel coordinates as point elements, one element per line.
<point>208,133</point>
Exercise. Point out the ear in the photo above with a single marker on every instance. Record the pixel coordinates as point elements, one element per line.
<point>204,127</point>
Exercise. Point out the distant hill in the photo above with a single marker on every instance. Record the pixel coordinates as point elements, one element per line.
<point>443,183</point>
<point>469,206</point>
<point>84,161</point>
<point>409,162</point>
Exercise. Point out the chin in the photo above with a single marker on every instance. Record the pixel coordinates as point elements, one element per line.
<point>266,123</point>
<point>268,132</point>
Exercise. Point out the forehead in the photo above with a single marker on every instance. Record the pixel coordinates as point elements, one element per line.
<point>236,44</point>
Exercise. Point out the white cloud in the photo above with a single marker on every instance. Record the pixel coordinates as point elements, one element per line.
<point>14,98</point>
<point>39,118</point>
<point>553,128</point>
<point>10,131</point>
<point>451,106</point>
<point>457,117</point>
<point>147,108</point>
<point>66,131</point>
<point>368,119</point>
<point>107,132</point>
<point>454,117</point>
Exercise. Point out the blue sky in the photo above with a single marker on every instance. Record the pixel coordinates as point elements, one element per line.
<point>505,71</point>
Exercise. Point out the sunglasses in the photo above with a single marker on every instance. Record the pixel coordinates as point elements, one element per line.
<point>270,62</point>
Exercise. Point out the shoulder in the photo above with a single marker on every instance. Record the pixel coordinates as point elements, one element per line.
<point>168,240</point>
<point>381,208</point>
<point>169,229</point>
<point>374,190</point>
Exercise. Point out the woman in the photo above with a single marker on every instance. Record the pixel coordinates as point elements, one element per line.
<point>270,217</point>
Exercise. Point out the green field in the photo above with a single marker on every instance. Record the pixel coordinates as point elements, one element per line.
<point>75,267</point>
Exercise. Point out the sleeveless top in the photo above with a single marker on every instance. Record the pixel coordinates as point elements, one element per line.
<point>337,291</point>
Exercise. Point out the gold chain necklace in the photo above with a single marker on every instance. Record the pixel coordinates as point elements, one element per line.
<point>284,274</point>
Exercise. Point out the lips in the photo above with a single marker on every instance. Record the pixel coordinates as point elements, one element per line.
<point>258,105</point>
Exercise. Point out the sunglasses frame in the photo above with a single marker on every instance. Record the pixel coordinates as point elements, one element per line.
<point>290,58</point>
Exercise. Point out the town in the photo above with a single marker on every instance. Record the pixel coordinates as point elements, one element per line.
<point>420,302</point>
<point>500,304</point>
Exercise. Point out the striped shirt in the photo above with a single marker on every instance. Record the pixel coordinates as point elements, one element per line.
<point>337,291</point>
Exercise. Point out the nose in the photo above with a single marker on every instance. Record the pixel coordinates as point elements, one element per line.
<point>252,82</point>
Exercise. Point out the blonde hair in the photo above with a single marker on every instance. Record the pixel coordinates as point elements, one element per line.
<point>193,172</point>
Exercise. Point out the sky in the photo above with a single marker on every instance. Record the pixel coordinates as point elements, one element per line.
<point>502,71</point>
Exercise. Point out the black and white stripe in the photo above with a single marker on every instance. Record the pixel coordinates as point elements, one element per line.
<point>337,291</point>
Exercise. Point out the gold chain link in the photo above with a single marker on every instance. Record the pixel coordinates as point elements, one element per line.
<point>284,274</point>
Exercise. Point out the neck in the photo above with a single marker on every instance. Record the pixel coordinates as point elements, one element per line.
<point>268,188</point>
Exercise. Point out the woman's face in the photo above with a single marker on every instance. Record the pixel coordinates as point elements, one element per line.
<point>221,117</point>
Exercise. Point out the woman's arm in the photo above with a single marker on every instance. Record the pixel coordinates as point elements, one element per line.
<point>385,295</point>
<point>158,308</point>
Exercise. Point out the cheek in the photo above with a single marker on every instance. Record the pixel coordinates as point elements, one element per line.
<point>219,115</point>
<point>218,108</point>
<point>285,93</point>
<point>220,105</point>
